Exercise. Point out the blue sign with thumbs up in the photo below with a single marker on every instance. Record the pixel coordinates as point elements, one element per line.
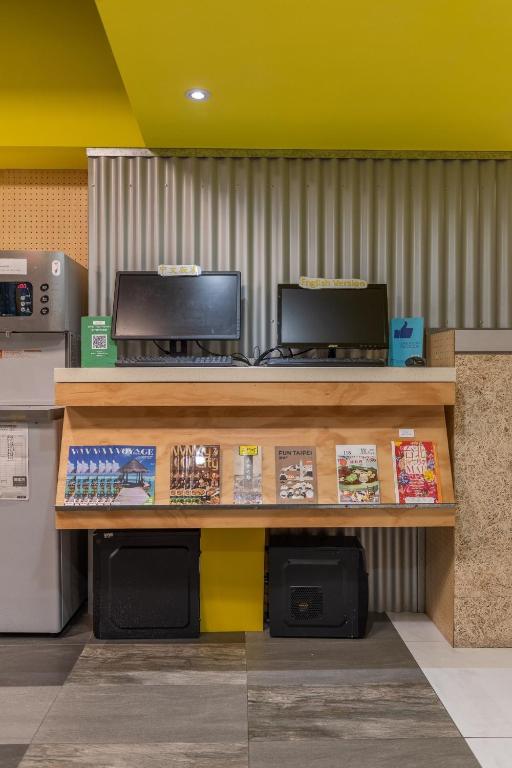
<point>405,339</point>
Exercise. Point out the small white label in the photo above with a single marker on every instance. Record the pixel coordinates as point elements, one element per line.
<point>10,353</point>
<point>56,268</point>
<point>331,282</point>
<point>178,270</point>
<point>98,322</point>
<point>406,432</point>
<point>13,266</point>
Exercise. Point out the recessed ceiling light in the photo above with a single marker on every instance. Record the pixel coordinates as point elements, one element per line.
<point>198,94</point>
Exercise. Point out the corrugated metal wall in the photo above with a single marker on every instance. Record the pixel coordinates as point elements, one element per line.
<point>437,232</point>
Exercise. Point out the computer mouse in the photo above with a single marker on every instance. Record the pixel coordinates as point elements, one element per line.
<point>415,360</point>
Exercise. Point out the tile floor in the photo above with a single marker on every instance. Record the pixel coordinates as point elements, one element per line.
<point>230,701</point>
<point>474,684</point>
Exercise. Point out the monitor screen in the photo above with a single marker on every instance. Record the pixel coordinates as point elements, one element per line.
<point>342,317</point>
<point>147,306</point>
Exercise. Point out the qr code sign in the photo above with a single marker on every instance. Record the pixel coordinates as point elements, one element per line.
<point>99,341</point>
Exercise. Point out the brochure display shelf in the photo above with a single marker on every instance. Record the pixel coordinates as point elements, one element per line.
<point>227,407</point>
<point>260,406</point>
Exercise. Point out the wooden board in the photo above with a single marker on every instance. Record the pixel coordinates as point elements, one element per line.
<point>439,550</point>
<point>315,426</point>
<point>240,518</point>
<point>44,210</point>
<point>440,582</point>
<point>441,349</point>
<point>255,394</point>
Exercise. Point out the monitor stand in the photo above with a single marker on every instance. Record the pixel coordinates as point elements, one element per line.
<point>178,348</point>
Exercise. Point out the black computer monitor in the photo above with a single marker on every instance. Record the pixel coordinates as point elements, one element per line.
<point>350,318</point>
<point>148,306</point>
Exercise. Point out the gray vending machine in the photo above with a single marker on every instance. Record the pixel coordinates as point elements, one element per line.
<point>42,570</point>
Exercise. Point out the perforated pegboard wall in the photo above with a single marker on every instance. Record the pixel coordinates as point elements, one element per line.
<point>44,210</point>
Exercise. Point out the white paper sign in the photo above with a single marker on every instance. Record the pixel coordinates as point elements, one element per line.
<point>406,432</point>
<point>331,282</point>
<point>14,462</point>
<point>179,270</point>
<point>13,266</point>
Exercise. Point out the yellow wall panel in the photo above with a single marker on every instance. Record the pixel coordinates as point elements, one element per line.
<point>44,210</point>
<point>232,574</point>
<point>35,158</point>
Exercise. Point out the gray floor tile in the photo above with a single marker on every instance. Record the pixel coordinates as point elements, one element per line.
<point>207,638</point>
<point>379,625</point>
<point>161,665</point>
<point>42,663</point>
<point>363,753</point>
<point>279,653</point>
<point>22,711</point>
<point>136,756</point>
<point>347,711</point>
<point>11,754</point>
<point>78,630</point>
<point>145,713</point>
<point>331,677</point>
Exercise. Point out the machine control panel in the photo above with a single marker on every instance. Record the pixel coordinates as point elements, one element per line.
<point>40,292</point>
<point>16,298</point>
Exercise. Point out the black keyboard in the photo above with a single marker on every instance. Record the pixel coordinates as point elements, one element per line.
<point>323,362</point>
<point>175,361</point>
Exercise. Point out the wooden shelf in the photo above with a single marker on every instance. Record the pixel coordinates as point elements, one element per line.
<point>320,413</point>
<point>258,516</point>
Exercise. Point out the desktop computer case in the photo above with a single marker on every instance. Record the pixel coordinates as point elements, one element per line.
<point>318,586</point>
<point>146,584</point>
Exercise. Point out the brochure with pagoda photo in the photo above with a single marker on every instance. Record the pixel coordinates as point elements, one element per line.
<point>195,474</point>
<point>100,475</point>
<point>357,473</point>
<point>296,476</point>
<point>247,474</point>
<point>416,472</point>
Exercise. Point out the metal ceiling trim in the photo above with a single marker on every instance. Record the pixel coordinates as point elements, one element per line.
<point>312,154</point>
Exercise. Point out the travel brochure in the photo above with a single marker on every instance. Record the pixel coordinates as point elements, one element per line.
<point>358,477</point>
<point>416,472</point>
<point>296,475</point>
<point>247,475</point>
<point>195,474</point>
<point>99,475</point>
<point>110,474</point>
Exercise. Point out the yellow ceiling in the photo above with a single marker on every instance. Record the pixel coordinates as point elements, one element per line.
<point>389,75</point>
<point>60,90</point>
<point>330,74</point>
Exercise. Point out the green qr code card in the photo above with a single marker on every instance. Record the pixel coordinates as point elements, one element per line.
<point>98,348</point>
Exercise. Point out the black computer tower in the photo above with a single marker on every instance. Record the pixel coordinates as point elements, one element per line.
<point>146,584</point>
<point>318,586</point>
